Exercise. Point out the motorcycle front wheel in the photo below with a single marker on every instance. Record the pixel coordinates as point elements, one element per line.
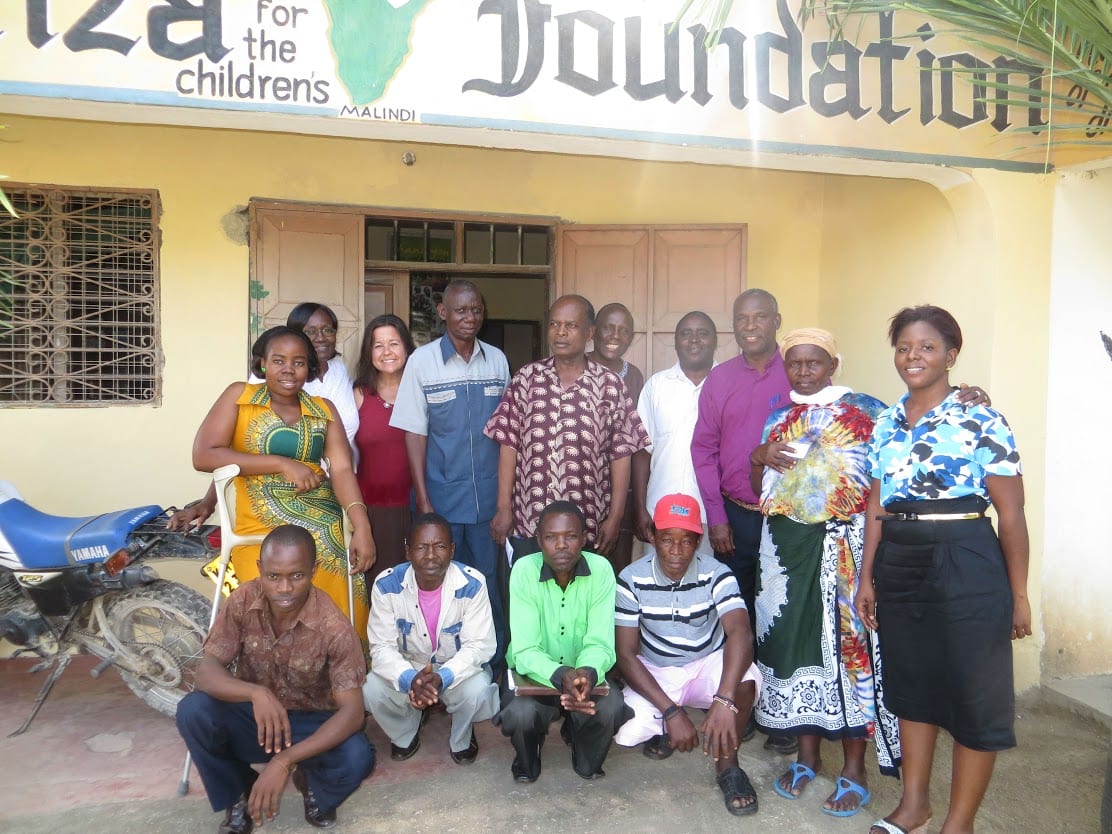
<point>165,624</point>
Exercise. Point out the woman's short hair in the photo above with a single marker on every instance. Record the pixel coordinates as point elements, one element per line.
<point>941,320</point>
<point>262,344</point>
<point>366,374</point>
<point>299,316</point>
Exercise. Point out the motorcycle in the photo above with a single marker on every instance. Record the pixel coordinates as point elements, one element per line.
<point>80,585</point>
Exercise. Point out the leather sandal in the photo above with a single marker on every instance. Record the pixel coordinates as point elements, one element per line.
<point>657,748</point>
<point>736,785</point>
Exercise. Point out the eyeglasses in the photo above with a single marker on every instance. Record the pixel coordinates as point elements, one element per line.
<point>313,332</point>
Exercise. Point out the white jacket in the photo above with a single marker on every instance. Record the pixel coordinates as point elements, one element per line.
<point>400,643</point>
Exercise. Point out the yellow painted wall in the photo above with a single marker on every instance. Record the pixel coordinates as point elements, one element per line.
<point>83,461</point>
<point>843,252</point>
<point>982,251</point>
<point>1077,572</point>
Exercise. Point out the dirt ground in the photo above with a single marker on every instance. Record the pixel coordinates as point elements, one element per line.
<point>98,760</point>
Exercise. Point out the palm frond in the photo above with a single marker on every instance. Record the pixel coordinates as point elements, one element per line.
<point>1070,41</point>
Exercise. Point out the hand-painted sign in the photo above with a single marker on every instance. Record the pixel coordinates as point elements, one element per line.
<point>620,69</point>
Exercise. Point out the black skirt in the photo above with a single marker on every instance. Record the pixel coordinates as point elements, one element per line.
<point>944,609</point>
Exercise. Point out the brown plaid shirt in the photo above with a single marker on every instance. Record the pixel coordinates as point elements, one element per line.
<point>304,666</point>
<point>565,440</point>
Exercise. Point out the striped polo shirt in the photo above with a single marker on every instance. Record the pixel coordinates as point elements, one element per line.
<point>679,621</point>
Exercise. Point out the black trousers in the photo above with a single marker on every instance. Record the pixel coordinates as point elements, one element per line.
<point>525,720</point>
<point>744,562</point>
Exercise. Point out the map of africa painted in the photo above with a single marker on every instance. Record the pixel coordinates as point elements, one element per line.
<point>370,39</point>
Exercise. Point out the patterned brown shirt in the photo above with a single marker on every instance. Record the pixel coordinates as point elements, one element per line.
<point>303,666</point>
<point>565,440</point>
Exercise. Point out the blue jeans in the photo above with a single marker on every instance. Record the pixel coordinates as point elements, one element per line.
<point>475,548</point>
<point>224,741</point>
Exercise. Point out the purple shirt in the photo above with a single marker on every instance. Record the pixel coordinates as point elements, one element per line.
<point>733,407</point>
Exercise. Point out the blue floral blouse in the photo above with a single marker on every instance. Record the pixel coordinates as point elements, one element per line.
<point>948,454</point>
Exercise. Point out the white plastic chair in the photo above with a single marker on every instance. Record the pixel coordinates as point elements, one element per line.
<point>224,479</point>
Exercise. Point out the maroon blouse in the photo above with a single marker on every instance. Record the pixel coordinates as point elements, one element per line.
<point>383,472</point>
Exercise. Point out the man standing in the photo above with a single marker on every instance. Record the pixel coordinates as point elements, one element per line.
<point>449,389</point>
<point>737,398</point>
<point>683,640</point>
<point>567,429</point>
<point>562,633</point>
<point>431,634</point>
<point>669,407</point>
<point>293,701</point>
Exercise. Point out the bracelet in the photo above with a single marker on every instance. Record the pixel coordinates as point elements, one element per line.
<point>726,702</point>
<point>347,509</point>
<point>668,713</point>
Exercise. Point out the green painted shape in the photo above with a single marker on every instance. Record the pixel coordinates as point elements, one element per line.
<point>370,39</point>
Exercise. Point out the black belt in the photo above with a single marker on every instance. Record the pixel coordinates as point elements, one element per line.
<point>930,517</point>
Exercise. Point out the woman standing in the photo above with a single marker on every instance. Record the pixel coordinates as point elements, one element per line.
<point>383,471</point>
<point>946,595</point>
<point>278,436</point>
<point>821,678</point>
<point>320,324</point>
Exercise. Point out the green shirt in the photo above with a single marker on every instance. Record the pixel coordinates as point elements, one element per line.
<point>552,627</point>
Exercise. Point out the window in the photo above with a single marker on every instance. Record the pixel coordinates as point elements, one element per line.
<point>79,297</point>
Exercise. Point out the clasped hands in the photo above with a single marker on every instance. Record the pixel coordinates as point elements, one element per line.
<point>575,695</point>
<point>424,690</point>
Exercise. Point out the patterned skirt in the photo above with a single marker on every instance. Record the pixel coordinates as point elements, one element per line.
<point>821,667</point>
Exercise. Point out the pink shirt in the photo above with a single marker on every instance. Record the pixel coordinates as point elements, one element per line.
<point>429,602</point>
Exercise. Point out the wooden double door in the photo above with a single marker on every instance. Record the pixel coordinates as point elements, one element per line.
<point>659,272</point>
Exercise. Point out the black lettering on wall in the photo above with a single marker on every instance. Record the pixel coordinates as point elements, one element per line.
<point>604,40</point>
<point>791,45</point>
<point>1007,67</point>
<point>926,77</point>
<point>828,76</point>
<point>82,35</point>
<point>669,86</point>
<point>950,114</point>
<point>209,42</point>
<point>536,15</point>
<point>887,53</point>
<point>735,44</point>
<point>38,24</point>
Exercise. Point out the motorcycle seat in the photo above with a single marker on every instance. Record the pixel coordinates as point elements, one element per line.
<point>43,541</point>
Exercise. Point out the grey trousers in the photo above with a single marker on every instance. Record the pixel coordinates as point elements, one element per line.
<point>471,700</point>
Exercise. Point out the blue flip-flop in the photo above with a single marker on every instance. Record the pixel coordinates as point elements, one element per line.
<point>848,786</point>
<point>798,771</point>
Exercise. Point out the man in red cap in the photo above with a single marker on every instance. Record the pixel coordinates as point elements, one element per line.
<point>683,639</point>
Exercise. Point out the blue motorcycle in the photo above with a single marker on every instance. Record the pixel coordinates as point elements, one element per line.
<point>82,585</point>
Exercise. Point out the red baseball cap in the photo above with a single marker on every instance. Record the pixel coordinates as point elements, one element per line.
<point>678,510</point>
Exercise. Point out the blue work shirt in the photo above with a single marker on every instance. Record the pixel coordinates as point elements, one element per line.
<point>449,401</point>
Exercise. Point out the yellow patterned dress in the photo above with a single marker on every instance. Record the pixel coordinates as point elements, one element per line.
<point>264,502</point>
